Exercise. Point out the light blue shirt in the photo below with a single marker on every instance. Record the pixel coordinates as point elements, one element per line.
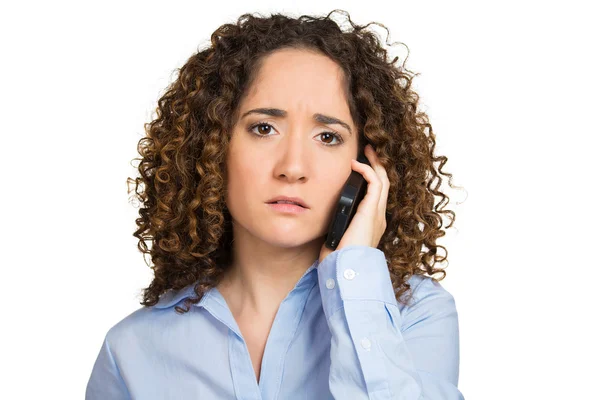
<point>339,334</point>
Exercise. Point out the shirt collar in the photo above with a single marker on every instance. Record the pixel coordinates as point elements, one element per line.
<point>172,297</point>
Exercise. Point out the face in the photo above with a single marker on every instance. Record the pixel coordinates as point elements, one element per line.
<point>290,153</point>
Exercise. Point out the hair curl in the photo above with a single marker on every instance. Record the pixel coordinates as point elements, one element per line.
<point>181,185</point>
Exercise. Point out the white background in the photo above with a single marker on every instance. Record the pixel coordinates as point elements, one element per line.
<point>511,89</point>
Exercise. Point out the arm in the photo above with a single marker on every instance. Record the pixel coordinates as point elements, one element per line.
<point>105,381</point>
<point>377,352</point>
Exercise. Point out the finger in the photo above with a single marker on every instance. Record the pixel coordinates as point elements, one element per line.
<point>382,173</point>
<point>374,184</point>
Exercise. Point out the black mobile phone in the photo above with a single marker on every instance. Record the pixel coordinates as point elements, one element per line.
<point>353,192</point>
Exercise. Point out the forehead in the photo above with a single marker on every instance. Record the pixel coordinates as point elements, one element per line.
<point>294,77</point>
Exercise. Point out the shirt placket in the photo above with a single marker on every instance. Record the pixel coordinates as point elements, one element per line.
<point>282,332</point>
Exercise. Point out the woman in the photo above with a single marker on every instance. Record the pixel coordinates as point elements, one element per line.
<point>280,108</point>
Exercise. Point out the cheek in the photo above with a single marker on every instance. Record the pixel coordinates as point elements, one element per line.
<point>335,180</point>
<point>244,161</point>
<point>244,180</point>
<point>333,184</point>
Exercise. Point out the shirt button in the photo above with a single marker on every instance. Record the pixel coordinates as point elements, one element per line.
<point>349,274</point>
<point>330,283</point>
<point>366,343</point>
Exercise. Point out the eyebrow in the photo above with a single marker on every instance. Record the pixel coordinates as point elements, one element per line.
<point>276,112</point>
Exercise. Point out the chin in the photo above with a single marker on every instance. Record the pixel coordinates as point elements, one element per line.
<point>288,245</point>
<point>293,239</point>
<point>274,232</point>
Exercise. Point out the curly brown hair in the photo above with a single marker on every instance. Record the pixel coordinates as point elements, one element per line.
<point>182,185</point>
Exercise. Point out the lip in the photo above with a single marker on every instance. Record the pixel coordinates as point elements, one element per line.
<point>294,199</point>
<point>287,208</point>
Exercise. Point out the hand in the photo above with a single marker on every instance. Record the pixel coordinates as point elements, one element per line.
<point>368,224</point>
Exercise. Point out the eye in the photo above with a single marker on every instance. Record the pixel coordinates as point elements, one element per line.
<point>260,125</point>
<point>332,135</point>
<point>269,127</point>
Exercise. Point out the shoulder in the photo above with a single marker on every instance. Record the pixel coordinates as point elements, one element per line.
<point>127,329</point>
<point>148,320</point>
<point>145,325</point>
<point>430,302</point>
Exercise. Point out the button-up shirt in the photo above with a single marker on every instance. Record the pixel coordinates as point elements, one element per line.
<point>339,334</point>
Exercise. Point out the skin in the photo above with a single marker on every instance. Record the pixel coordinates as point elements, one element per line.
<point>271,249</point>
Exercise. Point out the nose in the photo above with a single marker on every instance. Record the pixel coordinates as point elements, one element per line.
<point>294,159</point>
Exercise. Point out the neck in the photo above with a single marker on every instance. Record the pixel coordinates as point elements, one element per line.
<point>258,280</point>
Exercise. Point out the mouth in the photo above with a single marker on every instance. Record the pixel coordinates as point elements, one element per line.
<point>297,201</point>
<point>287,207</point>
<point>286,203</point>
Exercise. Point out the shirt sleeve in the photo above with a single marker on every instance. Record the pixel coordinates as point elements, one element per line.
<point>377,351</point>
<point>105,381</point>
